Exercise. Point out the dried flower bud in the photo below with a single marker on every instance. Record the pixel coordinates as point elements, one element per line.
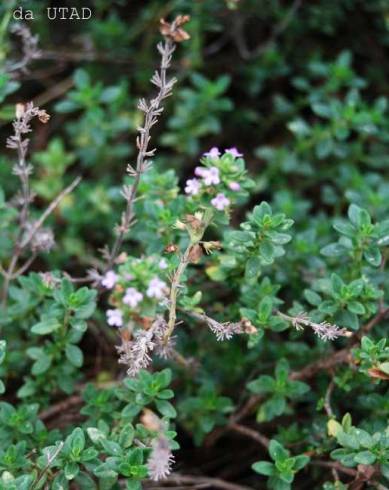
<point>377,373</point>
<point>43,240</point>
<point>122,258</point>
<point>171,249</point>
<point>173,30</point>
<point>193,222</point>
<point>43,116</point>
<point>195,253</point>
<point>248,327</point>
<point>151,421</point>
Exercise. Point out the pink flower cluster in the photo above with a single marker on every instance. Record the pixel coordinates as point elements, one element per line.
<point>210,177</point>
<point>156,289</point>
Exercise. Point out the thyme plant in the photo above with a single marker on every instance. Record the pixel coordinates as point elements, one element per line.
<point>223,314</point>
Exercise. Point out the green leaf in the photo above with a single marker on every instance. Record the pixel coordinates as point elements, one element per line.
<point>385,470</point>
<point>333,250</point>
<point>76,441</point>
<point>74,355</point>
<point>71,470</point>
<point>253,267</point>
<point>42,364</point>
<point>46,326</point>
<point>277,451</point>
<point>312,297</point>
<point>3,347</point>
<point>264,384</point>
<point>300,461</point>
<point>166,408</point>
<point>266,252</point>
<point>264,468</point>
<point>265,308</point>
<point>259,212</point>
<point>358,216</point>
<point>373,256</point>
<point>95,434</point>
<point>365,457</point>
<point>356,307</point>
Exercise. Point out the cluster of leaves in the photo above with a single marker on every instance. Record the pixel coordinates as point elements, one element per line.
<point>95,455</point>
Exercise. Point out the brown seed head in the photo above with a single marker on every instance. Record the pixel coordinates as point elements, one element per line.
<point>173,30</point>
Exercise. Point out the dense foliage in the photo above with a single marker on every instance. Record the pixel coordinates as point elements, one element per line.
<point>213,313</point>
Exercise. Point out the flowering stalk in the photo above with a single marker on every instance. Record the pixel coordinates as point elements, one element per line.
<point>225,330</point>
<point>24,116</point>
<point>30,234</point>
<point>152,110</point>
<point>324,330</point>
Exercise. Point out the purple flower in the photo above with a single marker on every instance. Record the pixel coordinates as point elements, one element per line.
<point>233,152</point>
<point>212,153</point>
<point>132,297</point>
<point>192,187</point>
<point>199,171</point>
<point>220,202</point>
<point>156,288</point>
<point>109,280</point>
<point>163,264</point>
<point>115,318</point>
<point>211,176</point>
<point>234,186</point>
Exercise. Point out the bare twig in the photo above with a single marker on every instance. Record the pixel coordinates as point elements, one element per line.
<point>29,49</point>
<point>327,399</point>
<point>201,480</point>
<point>175,285</point>
<point>38,224</point>
<point>251,433</point>
<point>50,460</point>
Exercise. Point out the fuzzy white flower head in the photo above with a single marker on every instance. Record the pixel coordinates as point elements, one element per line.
<point>115,318</point>
<point>220,202</point>
<point>192,187</point>
<point>109,280</point>
<point>160,460</point>
<point>156,289</point>
<point>132,297</point>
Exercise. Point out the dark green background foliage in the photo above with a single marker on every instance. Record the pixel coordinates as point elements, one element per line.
<point>300,88</point>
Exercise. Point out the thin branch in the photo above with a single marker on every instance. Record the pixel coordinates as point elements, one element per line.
<point>251,433</point>
<point>327,399</point>
<point>202,480</point>
<point>38,224</point>
<point>50,460</point>
<point>184,261</point>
